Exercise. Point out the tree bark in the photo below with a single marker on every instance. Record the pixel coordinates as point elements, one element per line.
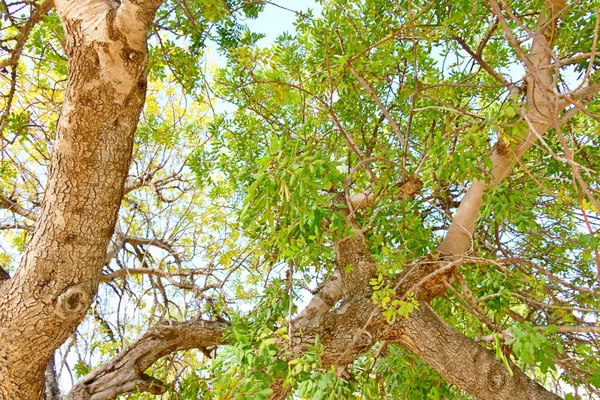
<point>463,362</point>
<point>58,277</point>
<point>125,372</point>
<point>52,390</point>
<point>355,327</point>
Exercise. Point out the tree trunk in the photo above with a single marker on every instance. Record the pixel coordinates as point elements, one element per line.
<point>58,277</point>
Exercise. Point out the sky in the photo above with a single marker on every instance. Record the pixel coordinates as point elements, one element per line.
<point>278,17</point>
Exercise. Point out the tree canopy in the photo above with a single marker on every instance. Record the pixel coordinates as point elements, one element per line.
<point>393,199</point>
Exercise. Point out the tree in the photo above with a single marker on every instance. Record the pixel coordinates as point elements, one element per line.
<point>427,170</point>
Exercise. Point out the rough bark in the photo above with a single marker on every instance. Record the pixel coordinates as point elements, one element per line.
<point>346,333</point>
<point>59,273</point>
<point>463,362</point>
<point>52,390</point>
<point>356,326</point>
<point>125,372</point>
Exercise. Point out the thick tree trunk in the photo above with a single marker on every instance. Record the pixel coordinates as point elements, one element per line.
<point>48,296</point>
<point>355,327</point>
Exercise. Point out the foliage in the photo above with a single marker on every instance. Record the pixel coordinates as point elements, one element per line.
<point>247,368</point>
<point>305,90</point>
<point>384,296</point>
<point>236,215</point>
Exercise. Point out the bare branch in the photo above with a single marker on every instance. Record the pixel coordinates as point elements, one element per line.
<point>125,372</point>
<point>377,101</point>
<point>52,390</point>
<point>477,57</point>
<point>325,298</point>
<point>136,241</point>
<point>123,272</point>
<point>13,206</point>
<point>507,334</point>
<point>583,93</point>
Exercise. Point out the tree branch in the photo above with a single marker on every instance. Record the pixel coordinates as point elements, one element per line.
<point>482,63</point>
<point>13,206</point>
<point>457,358</point>
<point>125,372</point>
<point>52,389</point>
<point>583,93</point>
<point>147,271</point>
<point>541,110</point>
<point>35,17</point>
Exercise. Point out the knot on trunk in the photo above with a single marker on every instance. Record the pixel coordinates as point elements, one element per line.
<point>363,339</point>
<point>72,303</point>
<point>496,377</point>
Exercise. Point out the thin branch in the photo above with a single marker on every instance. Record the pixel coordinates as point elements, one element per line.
<point>123,272</point>
<point>507,334</point>
<point>540,304</point>
<point>477,57</point>
<point>377,101</point>
<point>12,205</point>
<point>36,17</point>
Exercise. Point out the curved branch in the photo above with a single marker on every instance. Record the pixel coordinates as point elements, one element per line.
<point>125,372</point>
<point>541,110</point>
